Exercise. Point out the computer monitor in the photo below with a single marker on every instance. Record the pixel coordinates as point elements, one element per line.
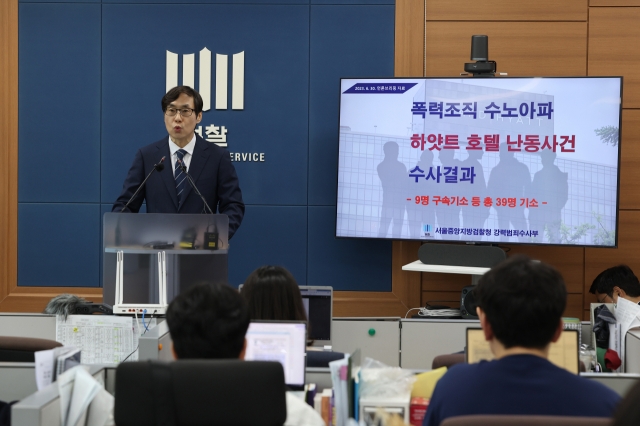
<point>282,341</point>
<point>318,304</point>
<point>563,353</point>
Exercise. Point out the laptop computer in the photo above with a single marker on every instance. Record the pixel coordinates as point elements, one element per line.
<point>563,353</point>
<point>281,341</point>
<point>318,304</point>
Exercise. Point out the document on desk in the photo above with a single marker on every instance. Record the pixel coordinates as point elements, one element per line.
<point>103,339</point>
<point>627,316</point>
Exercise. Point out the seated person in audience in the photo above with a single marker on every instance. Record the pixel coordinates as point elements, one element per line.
<point>210,322</point>
<point>520,306</point>
<point>619,281</point>
<point>272,293</point>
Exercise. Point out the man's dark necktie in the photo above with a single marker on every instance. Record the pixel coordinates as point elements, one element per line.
<point>180,176</point>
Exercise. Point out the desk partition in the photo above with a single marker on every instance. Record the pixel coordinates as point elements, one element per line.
<point>425,339</point>
<point>42,408</point>
<point>377,338</point>
<point>18,380</point>
<point>41,326</point>
<point>155,344</point>
<point>618,382</point>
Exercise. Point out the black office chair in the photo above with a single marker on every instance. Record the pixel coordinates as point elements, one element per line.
<point>200,392</point>
<point>447,360</point>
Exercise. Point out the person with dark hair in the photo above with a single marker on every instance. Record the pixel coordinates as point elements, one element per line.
<point>272,293</point>
<point>520,305</point>
<point>209,321</point>
<point>618,281</point>
<point>168,191</point>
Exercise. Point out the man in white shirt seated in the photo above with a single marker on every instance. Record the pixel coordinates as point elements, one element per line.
<point>520,306</point>
<point>210,322</point>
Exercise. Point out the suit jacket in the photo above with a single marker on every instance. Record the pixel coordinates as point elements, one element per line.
<point>213,174</point>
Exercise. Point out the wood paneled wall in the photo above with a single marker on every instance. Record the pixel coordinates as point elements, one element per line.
<point>546,38</point>
<point>543,37</point>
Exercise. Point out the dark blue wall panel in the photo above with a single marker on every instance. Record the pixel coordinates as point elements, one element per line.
<point>58,1</point>
<point>191,2</point>
<point>58,245</point>
<point>269,236</point>
<point>91,79</point>
<point>350,2</point>
<point>59,103</point>
<point>345,263</point>
<point>275,40</point>
<point>346,41</point>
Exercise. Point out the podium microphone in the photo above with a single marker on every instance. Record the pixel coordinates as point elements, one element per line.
<point>193,185</point>
<point>159,167</point>
<point>210,238</point>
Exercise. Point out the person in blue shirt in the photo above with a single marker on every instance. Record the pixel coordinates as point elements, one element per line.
<point>520,306</point>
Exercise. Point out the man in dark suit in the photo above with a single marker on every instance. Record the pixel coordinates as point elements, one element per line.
<point>209,166</point>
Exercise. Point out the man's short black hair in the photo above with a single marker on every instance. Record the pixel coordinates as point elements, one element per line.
<point>208,321</point>
<point>621,276</point>
<point>523,301</point>
<point>175,93</point>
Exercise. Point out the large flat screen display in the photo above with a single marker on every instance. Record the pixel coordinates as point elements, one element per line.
<point>487,160</point>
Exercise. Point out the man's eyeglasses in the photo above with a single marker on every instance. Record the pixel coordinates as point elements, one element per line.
<point>184,112</point>
<point>604,298</point>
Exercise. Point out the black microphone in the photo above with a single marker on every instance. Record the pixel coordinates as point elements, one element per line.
<point>193,185</point>
<point>159,167</point>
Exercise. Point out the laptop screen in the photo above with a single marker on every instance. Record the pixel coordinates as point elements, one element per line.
<point>317,303</point>
<point>280,341</point>
<point>563,353</point>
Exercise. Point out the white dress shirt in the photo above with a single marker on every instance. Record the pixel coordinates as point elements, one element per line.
<point>173,148</point>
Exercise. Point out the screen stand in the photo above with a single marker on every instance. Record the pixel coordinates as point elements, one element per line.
<point>478,256</point>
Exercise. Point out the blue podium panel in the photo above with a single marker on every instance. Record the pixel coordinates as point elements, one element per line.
<point>59,1</point>
<point>352,2</point>
<point>58,245</point>
<point>270,236</point>
<point>59,102</point>
<point>346,41</point>
<point>187,2</point>
<point>263,117</point>
<point>345,263</point>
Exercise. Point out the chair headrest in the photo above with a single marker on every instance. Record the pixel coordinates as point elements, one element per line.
<point>200,392</point>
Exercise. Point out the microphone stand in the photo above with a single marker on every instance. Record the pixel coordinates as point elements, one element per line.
<point>159,167</point>
<point>192,183</point>
<point>210,238</point>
